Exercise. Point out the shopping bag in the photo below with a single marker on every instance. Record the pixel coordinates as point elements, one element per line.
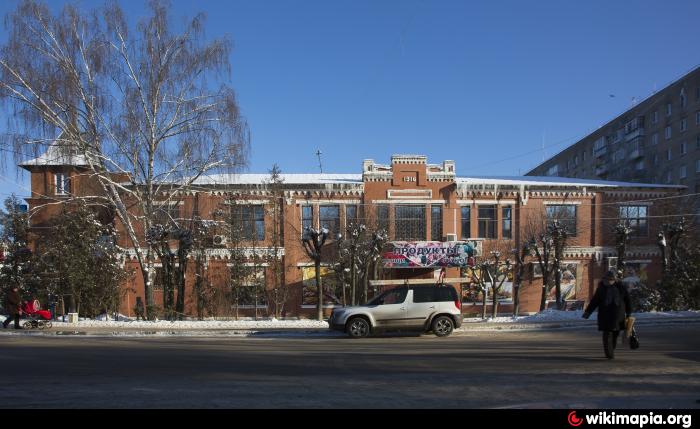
<point>634,340</point>
<point>629,325</point>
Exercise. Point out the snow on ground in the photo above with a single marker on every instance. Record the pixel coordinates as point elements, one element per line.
<point>248,324</point>
<point>569,316</point>
<point>196,324</point>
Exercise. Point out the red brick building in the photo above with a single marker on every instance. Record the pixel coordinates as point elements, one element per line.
<point>416,202</point>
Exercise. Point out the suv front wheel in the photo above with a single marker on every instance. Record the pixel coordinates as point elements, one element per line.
<point>442,326</point>
<point>358,327</point>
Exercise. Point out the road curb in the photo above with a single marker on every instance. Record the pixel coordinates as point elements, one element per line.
<point>317,332</point>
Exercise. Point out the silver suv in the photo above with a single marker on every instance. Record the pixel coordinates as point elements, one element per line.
<point>425,308</point>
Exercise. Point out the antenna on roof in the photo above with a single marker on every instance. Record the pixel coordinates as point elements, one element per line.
<point>318,154</point>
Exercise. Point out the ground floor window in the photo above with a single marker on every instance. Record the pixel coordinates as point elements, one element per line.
<point>332,288</point>
<point>251,291</point>
<point>570,278</point>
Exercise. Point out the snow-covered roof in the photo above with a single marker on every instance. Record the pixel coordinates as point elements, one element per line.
<point>287,178</point>
<point>56,154</point>
<point>555,181</point>
<point>356,179</point>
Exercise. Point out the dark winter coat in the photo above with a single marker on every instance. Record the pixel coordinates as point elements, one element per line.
<point>12,302</point>
<point>613,304</point>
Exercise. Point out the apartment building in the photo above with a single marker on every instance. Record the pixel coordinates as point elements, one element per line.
<point>656,141</point>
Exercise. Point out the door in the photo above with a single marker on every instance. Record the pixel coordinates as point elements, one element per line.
<point>390,310</point>
<point>421,307</point>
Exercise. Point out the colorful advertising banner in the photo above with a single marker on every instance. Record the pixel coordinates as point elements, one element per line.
<point>426,254</point>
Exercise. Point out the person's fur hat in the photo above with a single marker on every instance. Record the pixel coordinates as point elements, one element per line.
<point>610,275</point>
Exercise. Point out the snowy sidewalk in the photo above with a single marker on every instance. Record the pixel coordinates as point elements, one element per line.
<point>550,319</point>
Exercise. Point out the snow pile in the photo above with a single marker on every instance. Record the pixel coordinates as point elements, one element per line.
<point>110,318</point>
<point>570,316</point>
<point>197,324</point>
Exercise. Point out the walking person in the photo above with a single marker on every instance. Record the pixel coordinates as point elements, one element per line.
<point>613,303</point>
<point>12,306</point>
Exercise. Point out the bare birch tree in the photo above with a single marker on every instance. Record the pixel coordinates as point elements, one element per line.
<point>147,109</point>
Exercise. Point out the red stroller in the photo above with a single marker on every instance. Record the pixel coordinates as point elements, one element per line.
<point>38,319</point>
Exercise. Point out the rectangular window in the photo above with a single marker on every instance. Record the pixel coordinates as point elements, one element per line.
<point>697,118</point>
<point>507,217</point>
<point>697,166</point>
<point>667,132</point>
<point>410,222</point>
<point>251,220</point>
<point>62,184</point>
<point>307,217</point>
<point>636,218</point>
<point>565,215</point>
<point>350,215</point>
<point>684,125</point>
<point>655,117</point>
<point>487,221</point>
<point>436,222</point>
<point>684,148</point>
<point>251,292</point>
<point>668,154</point>
<point>683,172</point>
<point>159,278</point>
<point>669,177</point>
<point>166,213</point>
<point>383,217</point>
<point>669,109</point>
<point>466,222</point>
<point>655,139</point>
<point>329,218</point>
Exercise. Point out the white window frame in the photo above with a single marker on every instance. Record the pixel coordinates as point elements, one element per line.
<point>60,181</point>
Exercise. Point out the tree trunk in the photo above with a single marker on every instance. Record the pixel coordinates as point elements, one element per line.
<point>557,285</point>
<point>366,283</point>
<point>543,300</point>
<point>319,289</point>
<point>181,273</point>
<point>352,277</point>
<point>148,283</point>
<point>494,310</point>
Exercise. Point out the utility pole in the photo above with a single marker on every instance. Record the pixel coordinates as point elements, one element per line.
<point>318,154</point>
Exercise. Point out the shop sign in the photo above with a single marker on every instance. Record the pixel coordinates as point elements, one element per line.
<point>425,254</point>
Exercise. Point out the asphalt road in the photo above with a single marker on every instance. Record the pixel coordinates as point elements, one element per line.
<point>555,369</point>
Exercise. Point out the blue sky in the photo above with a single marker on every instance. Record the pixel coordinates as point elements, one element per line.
<point>477,82</point>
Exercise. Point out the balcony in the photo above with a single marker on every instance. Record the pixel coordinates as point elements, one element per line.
<point>636,153</point>
<point>600,151</point>
<point>639,132</point>
<point>636,149</point>
<point>602,169</point>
